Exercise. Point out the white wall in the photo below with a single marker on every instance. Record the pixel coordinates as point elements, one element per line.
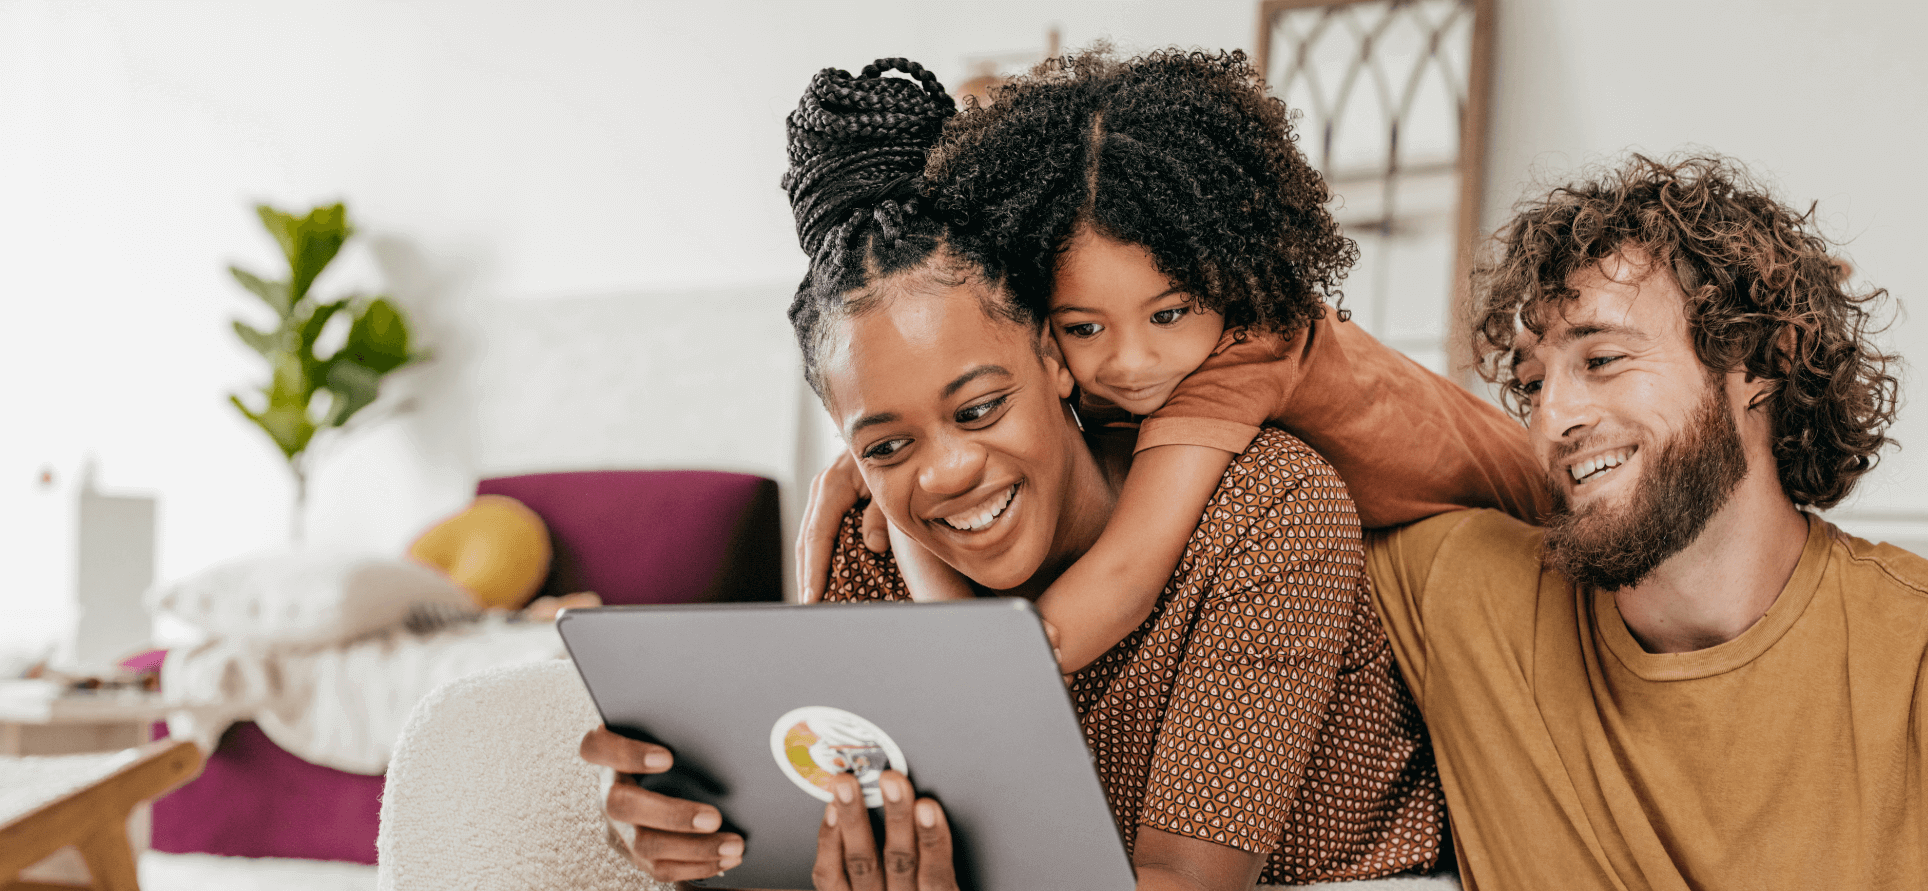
<point>524,171</point>
<point>564,175</point>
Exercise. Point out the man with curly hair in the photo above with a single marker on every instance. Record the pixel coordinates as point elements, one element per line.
<point>1686,679</point>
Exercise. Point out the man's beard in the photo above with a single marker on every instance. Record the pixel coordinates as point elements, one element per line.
<point>1685,484</point>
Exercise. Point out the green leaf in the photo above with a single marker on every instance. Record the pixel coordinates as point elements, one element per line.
<point>378,339</point>
<point>281,225</point>
<point>292,384</point>
<point>262,341</point>
<point>289,428</point>
<point>275,294</point>
<point>308,242</point>
<point>355,388</point>
<point>243,408</point>
<point>310,330</point>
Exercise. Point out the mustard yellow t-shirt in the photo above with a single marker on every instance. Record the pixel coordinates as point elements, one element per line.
<point>1789,757</point>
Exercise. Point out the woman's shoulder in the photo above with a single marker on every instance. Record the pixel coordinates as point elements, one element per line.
<point>1276,457</point>
<point>1279,481</point>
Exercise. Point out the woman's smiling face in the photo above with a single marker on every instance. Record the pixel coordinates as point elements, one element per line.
<point>958,426</point>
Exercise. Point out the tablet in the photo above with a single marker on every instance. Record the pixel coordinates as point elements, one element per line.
<point>763,703</point>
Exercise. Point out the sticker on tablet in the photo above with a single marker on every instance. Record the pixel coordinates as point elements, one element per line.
<point>814,743</point>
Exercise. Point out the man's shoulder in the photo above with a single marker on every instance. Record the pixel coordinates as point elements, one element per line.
<point>1899,571</point>
<point>1480,549</point>
<point>1474,534</point>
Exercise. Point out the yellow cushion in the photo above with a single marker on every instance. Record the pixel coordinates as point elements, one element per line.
<point>497,548</point>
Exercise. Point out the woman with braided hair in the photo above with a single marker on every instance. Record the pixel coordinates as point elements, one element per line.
<point>1251,727</point>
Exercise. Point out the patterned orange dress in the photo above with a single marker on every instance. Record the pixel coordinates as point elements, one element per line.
<point>1258,707</point>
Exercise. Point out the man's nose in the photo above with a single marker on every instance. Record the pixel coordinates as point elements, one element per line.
<point>1563,408</point>
<point>954,465</point>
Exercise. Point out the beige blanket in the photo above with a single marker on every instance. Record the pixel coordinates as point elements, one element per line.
<point>341,706</point>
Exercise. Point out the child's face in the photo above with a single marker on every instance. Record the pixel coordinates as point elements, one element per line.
<point>1128,334</point>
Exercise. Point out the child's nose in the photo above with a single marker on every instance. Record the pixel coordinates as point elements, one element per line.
<point>1134,356</point>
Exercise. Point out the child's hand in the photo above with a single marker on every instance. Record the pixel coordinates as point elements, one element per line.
<point>831,495</point>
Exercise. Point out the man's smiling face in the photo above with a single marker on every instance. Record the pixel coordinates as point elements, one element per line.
<point>1638,438</point>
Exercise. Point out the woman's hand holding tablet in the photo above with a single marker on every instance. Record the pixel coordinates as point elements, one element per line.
<point>673,840</point>
<point>917,842</point>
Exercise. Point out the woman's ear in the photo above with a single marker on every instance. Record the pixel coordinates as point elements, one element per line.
<point>1054,364</point>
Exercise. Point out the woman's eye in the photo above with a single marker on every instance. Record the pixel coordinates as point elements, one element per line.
<point>1169,316</point>
<point>980,411</point>
<point>884,450</point>
<point>1529,388</point>
<point>1082,329</point>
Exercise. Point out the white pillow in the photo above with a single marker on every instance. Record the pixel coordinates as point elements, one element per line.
<point>304,599</point>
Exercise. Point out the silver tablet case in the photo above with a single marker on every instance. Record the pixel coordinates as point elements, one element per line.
<point>967,690</point>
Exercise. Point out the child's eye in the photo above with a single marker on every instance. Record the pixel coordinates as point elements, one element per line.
<point>1082,329</point>
<point>1169,316</point>
<point>885,450</point>
<point>981,410</point>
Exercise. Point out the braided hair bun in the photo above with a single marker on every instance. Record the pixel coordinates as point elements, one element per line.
<point>857,148</point>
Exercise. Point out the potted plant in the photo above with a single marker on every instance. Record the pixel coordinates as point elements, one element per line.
<point>307,393</point>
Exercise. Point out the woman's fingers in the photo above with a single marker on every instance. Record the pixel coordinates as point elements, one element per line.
<point>675,857</point>
<point>853,825</point>
<point>633,804</point>
<point>674,840</point>
<point>900,833</point>
<point>627,802</point>
<point>827,874</point>
<point>917,841</point>
<point>935,871</point>
<point>606,748</point>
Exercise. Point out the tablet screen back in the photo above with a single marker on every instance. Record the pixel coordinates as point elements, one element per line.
<point>762,702</point>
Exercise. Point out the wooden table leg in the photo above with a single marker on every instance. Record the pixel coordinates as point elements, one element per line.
<point>110,858</point>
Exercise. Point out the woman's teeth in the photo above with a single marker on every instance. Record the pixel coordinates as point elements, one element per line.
<point>1589,469</point>
<point>972,522</point>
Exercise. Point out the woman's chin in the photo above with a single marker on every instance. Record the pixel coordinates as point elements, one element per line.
<point>1001,570</point>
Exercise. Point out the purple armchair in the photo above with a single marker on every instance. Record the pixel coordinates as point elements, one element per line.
<point>632,536</point>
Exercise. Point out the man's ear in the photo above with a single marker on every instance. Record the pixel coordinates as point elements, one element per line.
<point>1758,390</point>
<point>1054,364</point>
<point>1755,391</point>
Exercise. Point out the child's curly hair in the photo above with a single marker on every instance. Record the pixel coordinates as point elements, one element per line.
<point>1180,152</point>
<point>1764,295</point>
